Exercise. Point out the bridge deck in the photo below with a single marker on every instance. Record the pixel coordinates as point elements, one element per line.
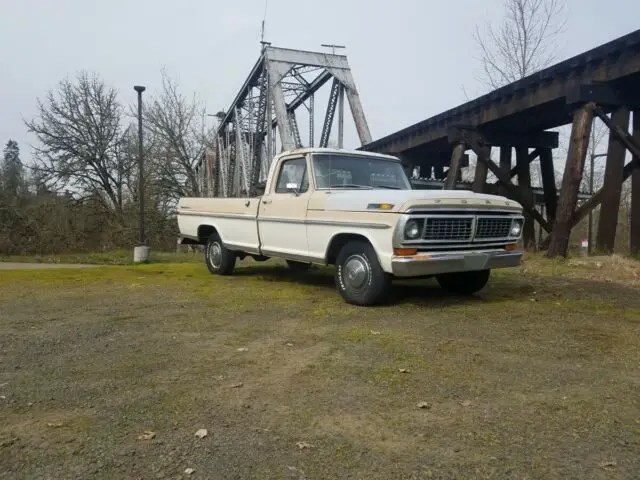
<point>535,103</point>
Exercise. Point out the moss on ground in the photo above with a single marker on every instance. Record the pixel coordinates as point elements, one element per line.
<point>534,376</point>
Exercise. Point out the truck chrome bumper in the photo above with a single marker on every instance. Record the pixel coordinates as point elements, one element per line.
<point>436,263</point>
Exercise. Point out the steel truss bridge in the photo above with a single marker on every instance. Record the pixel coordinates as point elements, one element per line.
<point>265,115</point>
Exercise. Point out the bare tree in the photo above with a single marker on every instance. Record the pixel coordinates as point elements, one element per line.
<point>80,136</point>
<point>179,138</point>
<point>523,44</point>
<point>599,132</point>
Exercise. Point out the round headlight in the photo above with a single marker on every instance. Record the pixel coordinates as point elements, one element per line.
<point>412,230</point>
<point>515,229</point>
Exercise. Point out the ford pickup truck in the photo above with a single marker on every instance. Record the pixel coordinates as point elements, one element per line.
<point>358,211</point>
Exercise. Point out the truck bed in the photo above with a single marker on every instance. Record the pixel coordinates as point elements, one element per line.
<point>234,218</point>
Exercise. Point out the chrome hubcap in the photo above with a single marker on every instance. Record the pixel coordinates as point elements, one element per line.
<point>356,272</point>
<point>215,254</point>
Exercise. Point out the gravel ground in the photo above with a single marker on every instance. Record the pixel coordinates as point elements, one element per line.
<point>110,372</point>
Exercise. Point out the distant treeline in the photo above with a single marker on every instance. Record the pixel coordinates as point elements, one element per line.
<point>79,190</point>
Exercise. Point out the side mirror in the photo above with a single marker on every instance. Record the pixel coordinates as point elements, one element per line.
<point>293,187</point>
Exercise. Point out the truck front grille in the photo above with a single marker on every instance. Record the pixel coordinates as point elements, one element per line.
<point>488,227</point>
<point>448,228</point>
<point>465,228</point>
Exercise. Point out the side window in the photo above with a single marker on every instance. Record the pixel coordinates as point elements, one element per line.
<point>293,171</point>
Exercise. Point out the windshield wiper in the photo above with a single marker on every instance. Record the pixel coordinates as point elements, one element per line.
<point>349,185</point>
<point>386,186</point>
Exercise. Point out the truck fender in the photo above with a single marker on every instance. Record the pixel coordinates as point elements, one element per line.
<point>206,229</point>
<point>340,239</point>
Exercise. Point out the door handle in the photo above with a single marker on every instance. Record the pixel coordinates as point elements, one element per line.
<point>266,201</point>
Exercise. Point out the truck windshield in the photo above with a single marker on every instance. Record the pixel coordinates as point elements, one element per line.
<point>333,170</point>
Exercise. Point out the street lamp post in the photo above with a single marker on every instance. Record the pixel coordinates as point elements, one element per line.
<point>591,169</point>
<point>141,252</point>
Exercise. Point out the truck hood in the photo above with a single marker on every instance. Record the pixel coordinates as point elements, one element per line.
<point>402,200</point>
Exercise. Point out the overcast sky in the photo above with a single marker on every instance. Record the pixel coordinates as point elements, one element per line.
<point>410,58</point>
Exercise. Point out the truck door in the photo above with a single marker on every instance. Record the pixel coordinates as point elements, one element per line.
<point>283,211</point>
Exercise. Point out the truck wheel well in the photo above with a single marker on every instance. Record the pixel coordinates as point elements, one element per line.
<point>340,241</point>
<point>204,231</point>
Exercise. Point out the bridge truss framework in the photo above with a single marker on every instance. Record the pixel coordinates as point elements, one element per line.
<point>265,115</point>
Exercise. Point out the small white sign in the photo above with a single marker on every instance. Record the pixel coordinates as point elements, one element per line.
<point>585,243</point>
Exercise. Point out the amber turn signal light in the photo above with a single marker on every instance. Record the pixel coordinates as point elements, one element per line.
<point>511,247</point>
<point>404,251</point>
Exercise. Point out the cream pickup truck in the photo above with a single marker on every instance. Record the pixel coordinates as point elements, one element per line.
<point>358,211</point>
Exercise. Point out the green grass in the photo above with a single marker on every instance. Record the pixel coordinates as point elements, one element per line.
<point>535,377</point>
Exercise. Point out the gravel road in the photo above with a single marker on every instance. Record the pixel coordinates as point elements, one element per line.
<point>37,266</point>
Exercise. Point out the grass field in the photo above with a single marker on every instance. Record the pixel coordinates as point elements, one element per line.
<point>537,376</point>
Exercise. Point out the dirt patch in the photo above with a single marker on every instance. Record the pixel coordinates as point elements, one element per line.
<point>535,377</point>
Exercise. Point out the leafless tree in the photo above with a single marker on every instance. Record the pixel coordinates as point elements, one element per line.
<point>598,137</point>
<point>524,43</point>
<point>178,138</point>
<point>80,141</point>
<point>599,133</point>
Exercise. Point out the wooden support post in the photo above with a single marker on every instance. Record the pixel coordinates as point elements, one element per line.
<point>454,168</point>
<point>480,177</point>
<point>633,146</point>
<point>524,182</point>
<point>505,166</point>
<point>514,192</point>
<point>530,158</point>
<point>580,132</point>
<point>612,187</point>
<point>634,242</point>
<point>505,159</point>
<point>540,231</point>
<point>549,183</point>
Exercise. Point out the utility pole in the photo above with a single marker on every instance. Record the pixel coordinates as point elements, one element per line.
<point>591,169</point>
<point>141,252</point>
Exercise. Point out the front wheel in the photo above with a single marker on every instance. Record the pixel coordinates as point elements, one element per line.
<point>218,258</point>
<point>359,277</point>
<point>464,283</point>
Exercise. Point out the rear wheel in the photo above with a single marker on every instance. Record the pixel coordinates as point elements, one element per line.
<point>218,258</point>
<point>298,266</point>
<point>464,283</point>
<point>359,277</point>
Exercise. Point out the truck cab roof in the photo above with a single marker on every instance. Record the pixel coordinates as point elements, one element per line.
<point>306,150</point>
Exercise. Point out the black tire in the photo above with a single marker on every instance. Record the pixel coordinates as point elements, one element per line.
<point>371,285</point>
<point>464,283</point>
<point>298,267</point>
<point>217,257</point>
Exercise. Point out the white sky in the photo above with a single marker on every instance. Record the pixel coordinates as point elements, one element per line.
<point>410,58</point>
